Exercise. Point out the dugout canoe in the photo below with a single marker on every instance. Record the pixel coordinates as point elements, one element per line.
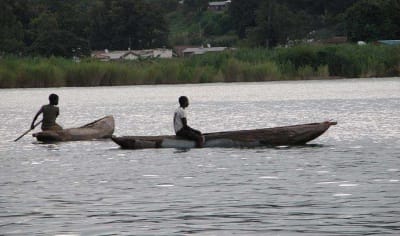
<point>278,136</point>
<point>101,128</point>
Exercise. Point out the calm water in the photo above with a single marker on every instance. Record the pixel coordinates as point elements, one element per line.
<point>347,182</point>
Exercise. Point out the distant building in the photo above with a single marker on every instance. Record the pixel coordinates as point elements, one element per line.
<point>113,55</point>
<point>389,42</point>
<point>201,50</point>
<point>218,6</point>
<point>189,50</point>
<point>132,54</point>
<point>162,53</point>
<point>178,50</point>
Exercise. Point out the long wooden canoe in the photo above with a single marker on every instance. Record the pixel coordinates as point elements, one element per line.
<point>278,136</point>
<point>101,128</point>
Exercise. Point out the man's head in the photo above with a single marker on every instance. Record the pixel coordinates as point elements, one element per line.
<point>53,98</point>
<point>183,101</point>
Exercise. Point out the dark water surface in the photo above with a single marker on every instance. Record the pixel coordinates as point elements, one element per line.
<point>344,183</point>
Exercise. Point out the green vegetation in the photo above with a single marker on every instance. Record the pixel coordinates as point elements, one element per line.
<point>38,38</point>
<point>259,64</point>
<point>192,24</point>
<point>75,27</point>
<point>270,23</point>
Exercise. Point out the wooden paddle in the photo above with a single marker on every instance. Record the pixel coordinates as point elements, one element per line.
<point>27,131</point>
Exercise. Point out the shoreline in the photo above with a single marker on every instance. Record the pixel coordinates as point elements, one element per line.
<point>332,78</point>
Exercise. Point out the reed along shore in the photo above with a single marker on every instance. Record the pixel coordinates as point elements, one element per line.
<point>240,65</point>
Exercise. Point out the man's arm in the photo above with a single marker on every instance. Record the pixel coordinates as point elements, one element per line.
<point>184,122</point>
<point>36,116</point>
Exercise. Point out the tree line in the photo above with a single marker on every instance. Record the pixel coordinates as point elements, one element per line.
<point>75,27</point>
<point>270,23</point>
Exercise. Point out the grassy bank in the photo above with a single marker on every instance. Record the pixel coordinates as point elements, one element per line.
<point>301,62</point>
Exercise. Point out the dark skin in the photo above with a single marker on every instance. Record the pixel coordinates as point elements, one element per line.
<point>54,102</point>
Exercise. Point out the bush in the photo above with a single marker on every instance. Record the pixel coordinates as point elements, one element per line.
<point>298,57</point>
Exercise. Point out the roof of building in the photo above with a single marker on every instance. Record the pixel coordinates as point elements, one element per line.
<point>204,50</point>
<point>115,55</point>
<point>222,3</point>
<point>390,42</point>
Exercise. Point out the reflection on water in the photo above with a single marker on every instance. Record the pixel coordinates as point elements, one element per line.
<point>344,183</point>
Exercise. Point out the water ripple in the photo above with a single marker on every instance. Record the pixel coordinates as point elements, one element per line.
<point>343,183</point>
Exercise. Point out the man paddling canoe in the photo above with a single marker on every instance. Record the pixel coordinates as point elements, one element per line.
<point>181,127</point>
<point>50,113</point>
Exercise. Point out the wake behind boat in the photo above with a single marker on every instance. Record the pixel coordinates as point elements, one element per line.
<point>278,136</point>
<point>102,128</point>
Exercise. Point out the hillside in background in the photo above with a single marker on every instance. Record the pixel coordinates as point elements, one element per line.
<point>270,23</point>
<point>77,27</point>
<point>250,22</point>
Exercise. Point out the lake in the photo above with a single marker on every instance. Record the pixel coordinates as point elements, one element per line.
<point>346,182</point>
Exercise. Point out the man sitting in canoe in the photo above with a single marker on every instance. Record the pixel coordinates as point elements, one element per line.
<point>50,113</point>
<point>181,127</point>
